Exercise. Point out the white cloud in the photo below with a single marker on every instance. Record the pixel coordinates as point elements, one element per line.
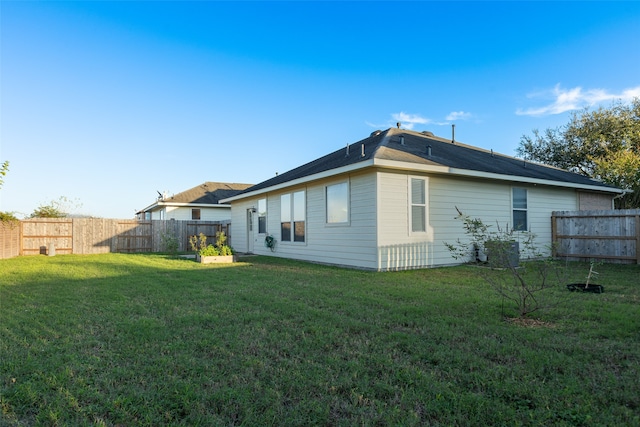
<point>458,115</point>
<point>564,100</point>
<point>408,121</point>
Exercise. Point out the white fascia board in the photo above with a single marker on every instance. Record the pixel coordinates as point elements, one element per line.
<point>303,180</point>
<point>149,208</point>
<point>195,205</point>
<point>161,204</point>
<point>487,175</point>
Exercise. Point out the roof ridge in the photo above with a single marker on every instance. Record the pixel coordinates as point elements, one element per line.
<point>385,140</point>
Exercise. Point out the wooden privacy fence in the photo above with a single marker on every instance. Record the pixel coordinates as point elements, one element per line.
<point>9,239</point>
<point>612,236</point>
<point>95,235</point>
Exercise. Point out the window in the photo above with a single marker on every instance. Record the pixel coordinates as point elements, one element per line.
<point>262,216</point>
<point>292,217</point>
<point>519,202</point>
<point>195,213</point>
<point>337,203</point>
<point>418,205</point>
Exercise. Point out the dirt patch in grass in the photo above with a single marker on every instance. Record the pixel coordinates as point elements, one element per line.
<point>529,322</point>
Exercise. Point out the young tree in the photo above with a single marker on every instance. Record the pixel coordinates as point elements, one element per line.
<point>602,144</point>
<point>527,287</point>
<point>60,208</point>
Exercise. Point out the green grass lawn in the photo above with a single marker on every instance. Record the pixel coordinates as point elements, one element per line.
<point>128,340</point>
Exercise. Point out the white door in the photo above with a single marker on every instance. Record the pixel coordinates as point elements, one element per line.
<point>250,236</point>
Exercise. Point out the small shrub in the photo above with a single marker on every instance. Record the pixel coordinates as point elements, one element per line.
<point>199,244</point>
<point>520,284</point>
<point>170,243</point>
<point>209,250</point>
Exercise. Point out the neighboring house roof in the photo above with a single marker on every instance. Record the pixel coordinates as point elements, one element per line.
<point>422,151</point>
<point>208,193</point>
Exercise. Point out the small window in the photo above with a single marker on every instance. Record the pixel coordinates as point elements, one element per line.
<point>337,203</point>
<point>292,217</point>
<point>418,205</point>
<point>262,216</point>
<point>195,214</point>
<point>519,202</point>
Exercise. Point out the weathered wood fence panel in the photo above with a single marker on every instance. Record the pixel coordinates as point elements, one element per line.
<point>612,236</point>
<point>9,239</point>
<point>40,234</point>
<point>134,236</point>
<point>95,235</point>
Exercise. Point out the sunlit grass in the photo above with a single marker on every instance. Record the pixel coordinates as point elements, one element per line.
<point>150,340</point>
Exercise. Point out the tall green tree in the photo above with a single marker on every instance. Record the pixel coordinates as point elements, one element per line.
<point>603,144</point>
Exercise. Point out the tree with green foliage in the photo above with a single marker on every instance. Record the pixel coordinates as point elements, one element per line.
<point>603,144</point>
<point>4,168</point>
<point>6,217</point>
<point>527,286</point>
<point>60,208</point>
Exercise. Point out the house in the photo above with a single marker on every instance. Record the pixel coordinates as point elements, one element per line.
<point>197,203</point>
<point>388,202</point>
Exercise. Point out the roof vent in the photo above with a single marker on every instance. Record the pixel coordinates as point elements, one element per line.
<point>401,139</point>
<point>376,132</point>
<point>427,133</point>
<point>347,151</point>
<point>428,151</point>
<point>362,153</point>
<point>453,134</point>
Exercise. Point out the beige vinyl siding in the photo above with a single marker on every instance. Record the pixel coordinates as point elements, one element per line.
<point>541,202</point>
<point>378,235</point>
<point>352,244</point>
<point>487,200</point>
<point>239,224</point>
<point>398,247</point>
<point>491,202</point>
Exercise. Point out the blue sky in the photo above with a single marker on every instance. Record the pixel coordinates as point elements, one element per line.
<point>105,103</point>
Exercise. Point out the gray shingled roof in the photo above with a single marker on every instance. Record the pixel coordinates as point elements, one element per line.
<point>208,193</point>
<point>426,149</point>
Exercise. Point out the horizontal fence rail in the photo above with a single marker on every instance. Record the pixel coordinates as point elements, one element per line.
<point>95,235</point>
<point>612,235</point>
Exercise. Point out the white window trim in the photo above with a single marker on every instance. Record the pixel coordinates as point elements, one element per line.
<point>266,216</point>
<point>410,204</point>
<point>326,207</point>
<point>292,221</point>
<point>526,210</point>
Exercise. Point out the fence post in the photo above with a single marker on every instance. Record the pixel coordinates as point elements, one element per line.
<point>21,246</point>
<point>637,238</point>
<point>554,235</point>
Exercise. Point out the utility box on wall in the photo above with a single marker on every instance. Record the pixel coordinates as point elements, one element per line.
<point>503,254</point>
